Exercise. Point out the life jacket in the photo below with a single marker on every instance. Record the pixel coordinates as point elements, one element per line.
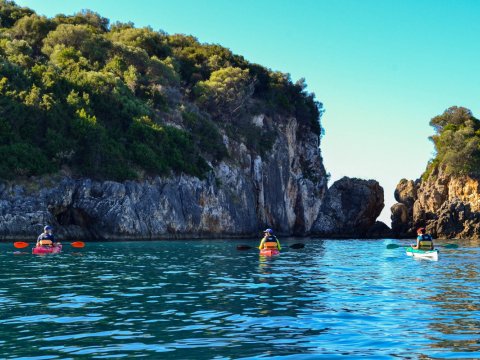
<point>271,243</point>
<point>425,242</point>
<point>46,239</point>
<point>46,242</point>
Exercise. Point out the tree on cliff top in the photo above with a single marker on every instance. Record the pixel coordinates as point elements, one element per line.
<point>226,91</point>
<point>457,143</point>
<point>101,99</point>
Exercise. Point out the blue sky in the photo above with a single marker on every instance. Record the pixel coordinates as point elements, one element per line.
<point>382,68</point>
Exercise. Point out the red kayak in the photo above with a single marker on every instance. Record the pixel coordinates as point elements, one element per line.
<point>47,249</point>
<point>269,252</point>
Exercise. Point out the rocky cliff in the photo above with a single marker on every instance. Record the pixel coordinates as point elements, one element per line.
<point>285,189</point>
<point>448,206</point>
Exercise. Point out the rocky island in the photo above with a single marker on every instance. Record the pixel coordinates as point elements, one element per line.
<point>108,131</point>
<point>446,199</point>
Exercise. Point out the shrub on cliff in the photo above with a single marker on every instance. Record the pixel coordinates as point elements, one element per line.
<point>457,143</point>
<point>108,100</point>
<point>226,91</point>
<point>10,13</point>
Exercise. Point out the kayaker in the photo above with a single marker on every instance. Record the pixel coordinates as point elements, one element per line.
<point>269,241</point>
<point>424,240</point>
<point>46,238</point>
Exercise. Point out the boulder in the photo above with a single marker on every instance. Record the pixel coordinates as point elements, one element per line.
<point>379,230</point>
<point>350,208</point>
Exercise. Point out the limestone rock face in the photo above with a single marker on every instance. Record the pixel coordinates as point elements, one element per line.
<point>406,192</point>
<point>448,206</point>
<point>282,189</point>
<point>350,208</point>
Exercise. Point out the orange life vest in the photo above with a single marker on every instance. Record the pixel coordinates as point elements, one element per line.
<point>45,242</point>
<point>270,245</point>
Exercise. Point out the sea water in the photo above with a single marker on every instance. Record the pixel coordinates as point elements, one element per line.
<point>207,300</point>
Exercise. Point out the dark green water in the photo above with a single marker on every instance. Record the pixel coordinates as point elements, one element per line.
<point>206,300</point>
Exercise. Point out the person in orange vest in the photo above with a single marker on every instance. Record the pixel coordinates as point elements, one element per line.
<point>46,238</point>
<point>269,241</point>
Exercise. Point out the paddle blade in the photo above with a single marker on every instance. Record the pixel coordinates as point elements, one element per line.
<point>297,246</point>
<point>450,246</point>
<point>20,244</point>
<point>392,246</point>
<point>243,247</point>
<point>78,244</point>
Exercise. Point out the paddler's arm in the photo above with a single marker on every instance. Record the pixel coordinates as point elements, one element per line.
<point>261,243</point>
<point>416,246</point>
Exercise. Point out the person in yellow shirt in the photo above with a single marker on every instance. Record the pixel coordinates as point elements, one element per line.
<point>269,241</point>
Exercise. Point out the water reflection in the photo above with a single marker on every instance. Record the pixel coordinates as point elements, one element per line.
<point>457,305</point>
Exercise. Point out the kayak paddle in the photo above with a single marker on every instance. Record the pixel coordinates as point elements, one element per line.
<point>78,244</point>
<point>297,246</point>
<point>447,246</point>
<point>293,246</point>
<point>22,244</point>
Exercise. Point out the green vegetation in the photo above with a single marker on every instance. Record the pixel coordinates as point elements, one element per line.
<point>117,102</point>
<point>457,143</point>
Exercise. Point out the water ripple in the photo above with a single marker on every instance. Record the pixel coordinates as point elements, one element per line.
<point>175,300</point>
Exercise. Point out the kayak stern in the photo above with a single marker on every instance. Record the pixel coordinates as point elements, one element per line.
<point>423,254</point>
<point>269,252</point>
<point>40,250</point>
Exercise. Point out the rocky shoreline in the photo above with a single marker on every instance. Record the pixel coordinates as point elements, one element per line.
<point>285,189</point>
<point>173,208</point>
<point>448,206</point>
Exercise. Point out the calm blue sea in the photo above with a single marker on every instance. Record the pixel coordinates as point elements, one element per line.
<point>207,300</point>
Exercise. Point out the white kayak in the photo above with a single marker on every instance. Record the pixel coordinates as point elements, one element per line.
<point>423,254</point>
